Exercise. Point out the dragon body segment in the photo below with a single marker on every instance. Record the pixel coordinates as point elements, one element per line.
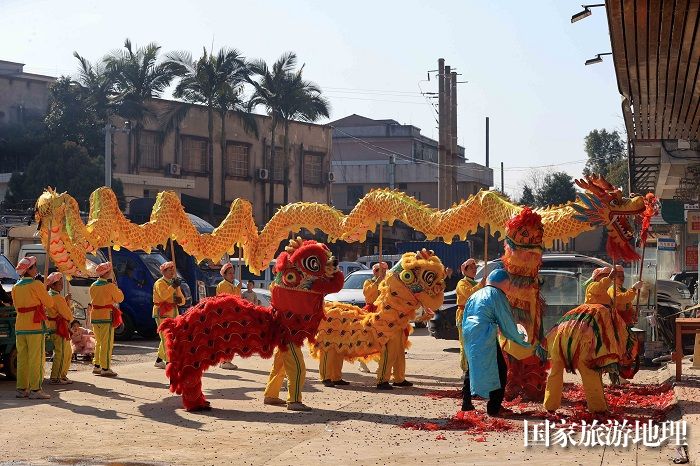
<point>71,239</point>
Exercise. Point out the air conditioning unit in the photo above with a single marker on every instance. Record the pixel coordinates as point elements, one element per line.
<point>174,169</point>
<point>263,174</point>
<point>331,177</point>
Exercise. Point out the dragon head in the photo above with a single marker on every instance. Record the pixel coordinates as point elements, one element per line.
<point>423,274</point>
<point>308,266</point>
<point>604,205</point>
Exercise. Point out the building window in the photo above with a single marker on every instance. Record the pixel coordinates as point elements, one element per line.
<point>194,154</point>
<point>355,193</point>
<point>278,172</point>
<point>313,169</point>
<point>149,146</point>
<point>238,160</point>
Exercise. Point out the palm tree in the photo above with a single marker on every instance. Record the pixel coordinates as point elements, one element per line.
<point>303,101</point>
<point>138,76</point>
<point>270,91</point>
<point>97,84</point>
<point>204,81</point>
<point>229,99</point>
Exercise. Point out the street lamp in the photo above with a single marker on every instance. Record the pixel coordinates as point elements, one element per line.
<point>597,59</point>
<point>585,13</point>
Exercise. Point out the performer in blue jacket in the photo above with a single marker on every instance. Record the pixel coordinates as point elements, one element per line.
<point>486,312</point>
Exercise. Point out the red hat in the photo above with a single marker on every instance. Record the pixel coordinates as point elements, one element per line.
<point>25,264</point>
<point>103,268</point>
<point>53,278</point>
<point>466,264</point>
<point>382,264</point>
<point>166,265</point>
<point>225,268</point>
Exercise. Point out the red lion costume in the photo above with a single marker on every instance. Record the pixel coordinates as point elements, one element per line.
<point>220,328</point>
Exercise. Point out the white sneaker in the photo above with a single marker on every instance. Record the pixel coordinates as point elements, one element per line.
<point>108,373</point>
<point>228,365</point>
<point>96,370</point>
<point>160,364</point>
<point>298,406</point>
<point>39,395</point>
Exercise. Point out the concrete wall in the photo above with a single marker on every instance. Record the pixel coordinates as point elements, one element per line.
<point>23,97</point>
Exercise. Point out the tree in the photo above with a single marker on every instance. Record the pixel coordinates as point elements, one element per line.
<point>19,143</point>
<point>302,101</point>
<point>270,92</point>
<point>528,197</point>
<point>138,76</point>
<point>65,167</point>
<point>71,117</point>
<point>209,80</point>
<point>607,157</point>
<point>557,188</point>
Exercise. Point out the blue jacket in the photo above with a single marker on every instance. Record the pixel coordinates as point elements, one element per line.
<point>486,312</point>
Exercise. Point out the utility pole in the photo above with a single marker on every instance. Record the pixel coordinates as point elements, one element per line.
<point>442,138</point>
<point>392,171</point>
<point>487,142</point>
<point>503,189</point>
<point>455,159</point>
<point>448,139</point>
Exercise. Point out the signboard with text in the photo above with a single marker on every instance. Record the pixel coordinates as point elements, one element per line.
<point>691,257</point>
<point>694,221</point>
<point>666,244</point>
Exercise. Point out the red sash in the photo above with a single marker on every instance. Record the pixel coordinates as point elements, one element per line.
<point>165,309</point>
<point>116,314</point>
<point>61,327</point>
<point>38,310</point>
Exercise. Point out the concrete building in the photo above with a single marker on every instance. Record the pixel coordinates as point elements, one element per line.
<point>178,161</point>
<point>371,154</point>
<point>22,95</point>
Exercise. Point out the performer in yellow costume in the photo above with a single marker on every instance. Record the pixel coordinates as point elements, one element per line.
<point>104,296</point>
<point>59,318</point>
<point>622,298</point>
<point>31,300</point>
<point>597,288</point>
<point>167,296</point>
<point>227,286</point>
<point>465,288</point>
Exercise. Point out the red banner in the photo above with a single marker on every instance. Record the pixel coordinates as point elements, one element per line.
<point>691,257</point>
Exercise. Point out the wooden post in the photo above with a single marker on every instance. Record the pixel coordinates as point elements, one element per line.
<point>48,249</point>
<point>381,240</point>
<point>486,253</point>
<point>641,270</point>
<point>240,265</point>
<point>109,257</point>
<point>172,254</point>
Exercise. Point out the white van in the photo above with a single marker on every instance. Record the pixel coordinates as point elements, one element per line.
<point>369,261</point>
<point>261,281</point>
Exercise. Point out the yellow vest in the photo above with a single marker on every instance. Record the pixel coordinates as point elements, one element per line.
<point>226,287</point>
<point>164,292</point>
<point>370,288</point>
<point>59,308</point>
<point>27,293</point>
<point>104,293</point>
<point>465,288</point>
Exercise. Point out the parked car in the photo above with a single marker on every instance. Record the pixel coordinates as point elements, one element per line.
<point>349,267</point>
<point>369,261</point>
<point>351,293</point>
<point>687,277</point>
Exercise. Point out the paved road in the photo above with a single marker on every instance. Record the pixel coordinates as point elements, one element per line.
<point>133,419</point>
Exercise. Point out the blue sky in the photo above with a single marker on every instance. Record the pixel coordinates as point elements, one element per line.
<point>523,60</point>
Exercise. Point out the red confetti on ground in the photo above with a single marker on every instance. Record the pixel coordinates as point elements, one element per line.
<point>630,402</point>
<point>440,437</point>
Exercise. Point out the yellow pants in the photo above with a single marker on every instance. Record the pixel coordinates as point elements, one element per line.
<point>162,352</point>
<point>462,356</point>
<point>592,387</point>
<point>30,360</point>
<point>289,363</point>
<point>104,344</point>
<point>62,354</point>
<point>392,358</point>
<point>330,366</point>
